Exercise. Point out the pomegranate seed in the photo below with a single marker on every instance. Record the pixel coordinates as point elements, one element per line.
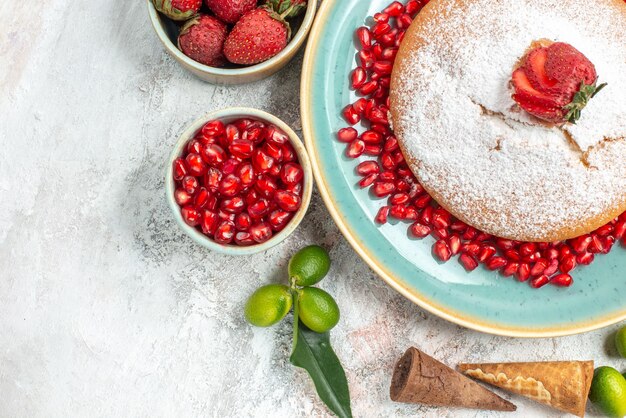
<point>209,222</point>
<point>505,244</point>
<point>347,135</point>
<point>567,264</point>
<point>468,262</point>
<point>552,268</point>
<point>470,233</point>
<point>397,211</point>
<point>404,21</point>
<point>419,230</point>
<point>427,215</point>
<point>242,222</point>
<point>213,128</point>
<point>486,252</point>
<point>423,201</point>
<point>230,165</point>
<point>261,232</point>
<point>381,17</point>
<point>291,173</point>
<point>411,214</point>
<point>355,149</point>
<point>604,230</point>
<point>261,161</point>
<point>441,218</point>
<point>454,242</point>
<point>214,155</point>
<point>371,137</point>
<point>620,230</point>
<point>551,253</point>
<point>395,9</point>
<point>441,233</point>
<point>580,244</point>
<point>259,208</point>
<point>278,219</point>
<point>413,6</point>
<point>181,197</point>
<point>383,67</point>
<point>368,180</point>
<point>224,232</point>
<point>512,255</point>
<point>287,201</point>
<point>458,226</point>
<point>190,184</point>
<point>563,279</point>
<point>472,248</point>
<point>596,246</point>
<point>266,186</point>
<point>244,238</point>
<point>564,251</point>
<point>358,78</point>
<point>246,175</point>
<point>442,250</point>
<point>365,37</point>
<point>288,153</point>
<point>399,199</point>
<point>367,167</point>
<point>359,106</point>
<point>608,243</point>
<point>194,146</point>
<point>539,267</point>
<point>196,165</point>
<point>241,148</point>
<point>212,179</point>
<point>229,186</point>
<point>276,136</point>
<point>191,215</point>
<point>234,205</point>
<point>368,88</point>
<point>527,249</point>
<point>275,151</point>
<point>226,216</point>
<point>585,258</point>
<point>383,213</point>
<point>180,169</point>
<point>202,198</point>
<point>496,263</point>
<point>523,272</point>
<point>382,189</point>
<point>510,269</point>
<point>540,281</point>
<point>366,58</point>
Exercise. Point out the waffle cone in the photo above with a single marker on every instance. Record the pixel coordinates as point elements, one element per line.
<point>419,378</point>
<point>563,385</point>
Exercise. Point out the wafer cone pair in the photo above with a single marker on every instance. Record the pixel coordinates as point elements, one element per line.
<point>563,385</point>
<point>419,378</point>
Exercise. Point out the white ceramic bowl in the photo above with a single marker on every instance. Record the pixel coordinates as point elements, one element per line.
<point>226,116</point>
<point>166,32</point>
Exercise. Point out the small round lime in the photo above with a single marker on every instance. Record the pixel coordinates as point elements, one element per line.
<point>620,341</point>
<point>309,265</point>
<point>268,305</point>
<point>608,391</point>
<point>317,309</point>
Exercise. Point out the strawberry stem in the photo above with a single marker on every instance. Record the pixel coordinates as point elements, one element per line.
<point>284,14</point>
<point>581,98</point>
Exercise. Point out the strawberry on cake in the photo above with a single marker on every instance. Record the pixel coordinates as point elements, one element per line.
<point>512,114</point>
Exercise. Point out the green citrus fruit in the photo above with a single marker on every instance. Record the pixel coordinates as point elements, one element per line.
<point>268,305</point>
<point>608,391</point>
<point>309,265</point>
<point>317,309</point>
<point>620,341</point>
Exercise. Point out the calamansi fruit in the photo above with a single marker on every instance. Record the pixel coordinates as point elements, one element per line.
<point>309,265</point>
<point>317,309</point>
<point>608,391</point>
<point>268,305</point>
<point>620,341</point>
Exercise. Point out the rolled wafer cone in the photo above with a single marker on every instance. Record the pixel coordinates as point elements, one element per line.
<point>563,385</point>
<point>419,378</point>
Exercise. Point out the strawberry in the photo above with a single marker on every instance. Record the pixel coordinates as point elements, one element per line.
<point>230,11</point>
<point>555,83</point>
<point>178,9</point>
<point>202,39</point>
<point>281,6</point>
<point>257,36</point>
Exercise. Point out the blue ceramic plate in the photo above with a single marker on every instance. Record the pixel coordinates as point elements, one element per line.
<point>481,300</point>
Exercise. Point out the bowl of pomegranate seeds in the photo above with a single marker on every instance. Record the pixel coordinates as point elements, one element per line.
<point>239,181</point>
<point>232,41</point>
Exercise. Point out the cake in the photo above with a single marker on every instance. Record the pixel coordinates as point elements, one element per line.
<point>484,157</point>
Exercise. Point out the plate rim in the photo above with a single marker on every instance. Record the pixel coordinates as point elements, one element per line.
<point>394,282</point>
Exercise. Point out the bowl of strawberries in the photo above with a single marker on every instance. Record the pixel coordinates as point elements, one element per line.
<point>232,41</point>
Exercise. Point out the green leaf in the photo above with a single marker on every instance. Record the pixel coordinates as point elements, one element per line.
<point>313,353</point>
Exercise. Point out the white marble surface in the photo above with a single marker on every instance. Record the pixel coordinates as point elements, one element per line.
<point>106,309</point>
